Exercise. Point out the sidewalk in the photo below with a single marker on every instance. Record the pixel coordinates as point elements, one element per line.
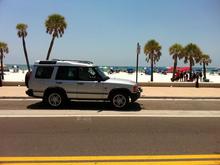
<point>181,92</point>
<point>148,92</point>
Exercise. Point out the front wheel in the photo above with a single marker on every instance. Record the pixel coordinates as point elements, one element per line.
<point>55,99</point>
<point>119,100</point>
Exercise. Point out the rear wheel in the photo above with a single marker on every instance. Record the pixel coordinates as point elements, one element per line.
<point>119,100</point>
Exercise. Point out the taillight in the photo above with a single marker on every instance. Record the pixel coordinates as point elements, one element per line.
<point>30,75</point>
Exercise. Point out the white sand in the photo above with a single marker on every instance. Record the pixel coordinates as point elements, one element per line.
<point>11,76</point>
<point>158,77</point>
<point>142,77</point>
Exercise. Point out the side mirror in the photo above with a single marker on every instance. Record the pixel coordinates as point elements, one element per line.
<point>99,79</point>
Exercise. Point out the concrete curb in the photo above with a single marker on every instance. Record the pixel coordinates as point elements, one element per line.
<point>13,83</point>
<point>178,97</point>
<point>180,84</point>
<point>15,97</point>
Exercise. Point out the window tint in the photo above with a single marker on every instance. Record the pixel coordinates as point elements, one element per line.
<point>44,72</point>
<point>66,73</point>
<point>87,74</point>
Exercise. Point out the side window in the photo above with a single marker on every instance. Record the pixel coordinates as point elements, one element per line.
<point>44,72</point>
<point>87,74</point>
<point>66,73</point>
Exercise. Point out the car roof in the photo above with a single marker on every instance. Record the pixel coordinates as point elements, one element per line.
<point>64,63</point>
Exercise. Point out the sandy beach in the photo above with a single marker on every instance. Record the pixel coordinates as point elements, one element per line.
<point>158,77</point>
<point>142,77</point>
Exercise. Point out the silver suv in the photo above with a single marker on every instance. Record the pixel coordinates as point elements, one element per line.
<point>58,81</point>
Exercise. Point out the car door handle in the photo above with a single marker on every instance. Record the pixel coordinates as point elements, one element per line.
<point>59,82</point>
<point>80,83</point>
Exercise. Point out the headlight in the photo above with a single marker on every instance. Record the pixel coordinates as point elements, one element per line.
<point>135,89</point>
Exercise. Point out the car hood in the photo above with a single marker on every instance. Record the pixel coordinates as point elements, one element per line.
<point>120,81</point>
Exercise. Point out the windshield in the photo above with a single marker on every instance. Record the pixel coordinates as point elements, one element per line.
<point>101,73</point>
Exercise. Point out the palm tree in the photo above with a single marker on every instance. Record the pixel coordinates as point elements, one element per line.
<point>176,51</point>
<point>192,54</point>
<point>55,25</point>
<point>152,51</point>
<point>205,60</point>
<point>3,49</point>
<point>22,33</point>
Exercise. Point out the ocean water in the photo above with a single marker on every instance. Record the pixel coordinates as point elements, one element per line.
<point>20,66</point>
<point>125,68</point>
<point>104,68</point>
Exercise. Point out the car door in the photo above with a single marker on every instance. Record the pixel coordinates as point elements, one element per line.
<point>88,84</point>
<point>66,78</point>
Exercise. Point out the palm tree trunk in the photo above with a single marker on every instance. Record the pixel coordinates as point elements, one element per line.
<point>2,68</point>
<point>152,68</point>
<point>25,53</point>
<point>174,66</point>
<point>204,71</point>
<point>1,73</point>
<point>50,48</point>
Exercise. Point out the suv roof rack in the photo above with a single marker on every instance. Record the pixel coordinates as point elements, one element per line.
<point>47,62</point>
<point>79,61</point>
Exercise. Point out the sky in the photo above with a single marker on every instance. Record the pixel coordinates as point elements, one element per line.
<point>107,31</point>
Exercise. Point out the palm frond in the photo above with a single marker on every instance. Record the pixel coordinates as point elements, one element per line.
<point>152,50</point>
<point>22,29</point>
<point>4,48</point>
<point>55,25</point>
<point>176,51</point>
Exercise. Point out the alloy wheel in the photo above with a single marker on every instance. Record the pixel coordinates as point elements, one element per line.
<point>55,99</point>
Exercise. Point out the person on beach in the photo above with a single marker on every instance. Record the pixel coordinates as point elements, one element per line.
<point>200,76</point>
<point>177,76</point>
<point>193,76</point>
<point>186,76</point>
<point>197,80</point>
<point>181,76</point>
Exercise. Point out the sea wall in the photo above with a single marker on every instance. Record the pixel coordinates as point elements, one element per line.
<point>180,84</point>
<point>13,83</point>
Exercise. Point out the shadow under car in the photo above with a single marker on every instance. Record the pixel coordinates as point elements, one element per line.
<point>85,105</point>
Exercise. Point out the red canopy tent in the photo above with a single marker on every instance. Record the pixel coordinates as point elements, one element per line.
<point>178,69</point>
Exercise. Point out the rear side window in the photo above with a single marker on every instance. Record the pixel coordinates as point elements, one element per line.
<point>66,73</point>
<point>44,72</point>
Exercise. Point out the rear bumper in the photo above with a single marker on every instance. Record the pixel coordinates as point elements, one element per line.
<point>30,92</point>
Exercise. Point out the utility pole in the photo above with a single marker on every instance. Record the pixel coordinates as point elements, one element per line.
<point>138,52</point>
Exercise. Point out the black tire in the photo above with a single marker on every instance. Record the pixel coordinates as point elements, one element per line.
<point>55,99</point>
<point>119,100</point>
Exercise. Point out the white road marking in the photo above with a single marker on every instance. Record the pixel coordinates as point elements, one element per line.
<point>140,99</point>
<point>90,113</point>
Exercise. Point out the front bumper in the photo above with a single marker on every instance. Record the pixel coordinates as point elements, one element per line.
<point>137,95</point>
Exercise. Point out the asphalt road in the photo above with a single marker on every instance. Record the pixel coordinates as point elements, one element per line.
<point>144,104</point>
<point>108,136</point>
<point>68,136</point>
